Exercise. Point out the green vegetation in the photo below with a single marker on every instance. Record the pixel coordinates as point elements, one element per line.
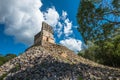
<point>79,78</point>
<point>108,53</point>
<point>3,76</point>
<point>99,25</point>
<point>6,58</point>
<point>15,69</point>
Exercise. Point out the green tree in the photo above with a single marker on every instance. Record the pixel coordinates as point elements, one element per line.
<point>99,24</point>
<point>111,52</point>
<point>108,54</point>
<point>10,56</point>
<point>94,19</point>
<point>6,58</point>
<point>2,60</point>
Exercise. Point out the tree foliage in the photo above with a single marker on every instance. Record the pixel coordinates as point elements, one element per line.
<point>6,58</point>
<point>99,24</point>
<point>108,54</point>
<point>98,21</point>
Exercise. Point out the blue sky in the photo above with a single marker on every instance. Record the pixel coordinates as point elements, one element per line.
<point>20,20</point>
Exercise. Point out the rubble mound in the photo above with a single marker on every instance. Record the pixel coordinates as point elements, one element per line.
<point>55,62</point>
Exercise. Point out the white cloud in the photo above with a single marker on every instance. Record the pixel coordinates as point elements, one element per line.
<point>59,29</point>
<point>73,44</point>
<point>51,17</point>
<point>68,27</point>
<point>22,18</point>
<point>64,15</point>
<point>60,24</point>
<point>64,27</point>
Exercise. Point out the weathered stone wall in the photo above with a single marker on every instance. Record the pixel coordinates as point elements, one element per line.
<point>47,27</point>
<point>46,35</point>
<point>55,62</point>
<point>38,38</point>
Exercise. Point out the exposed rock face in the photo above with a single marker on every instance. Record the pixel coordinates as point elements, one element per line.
<point>55,62</point>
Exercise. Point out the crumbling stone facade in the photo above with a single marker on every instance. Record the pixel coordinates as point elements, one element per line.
<point>44,36</point>
<point>49,61</point>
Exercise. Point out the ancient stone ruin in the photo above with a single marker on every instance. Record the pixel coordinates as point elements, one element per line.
<point>46,60</point>
<point>44,36</point>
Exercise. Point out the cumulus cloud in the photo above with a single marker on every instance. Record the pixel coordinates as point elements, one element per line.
<point>68,27</point>
<point>64,27</point>
<point>51,16</point>
<point>64,15</point>
<point>58,29</point>
<point>22,18</point>
<point>72,44</point>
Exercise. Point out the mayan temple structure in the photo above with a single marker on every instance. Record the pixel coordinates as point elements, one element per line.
<point>45,60</point>
<point>44,36</point>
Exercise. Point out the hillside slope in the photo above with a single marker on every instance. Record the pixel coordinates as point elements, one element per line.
<point>55,62</point>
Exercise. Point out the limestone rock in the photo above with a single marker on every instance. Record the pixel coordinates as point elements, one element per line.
<point>48,63</point>
<point>46,60</point>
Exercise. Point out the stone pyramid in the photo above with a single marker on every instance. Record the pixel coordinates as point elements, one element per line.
<point>46,60</point>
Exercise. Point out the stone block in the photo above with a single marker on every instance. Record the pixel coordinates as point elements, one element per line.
<point>45,35</point>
